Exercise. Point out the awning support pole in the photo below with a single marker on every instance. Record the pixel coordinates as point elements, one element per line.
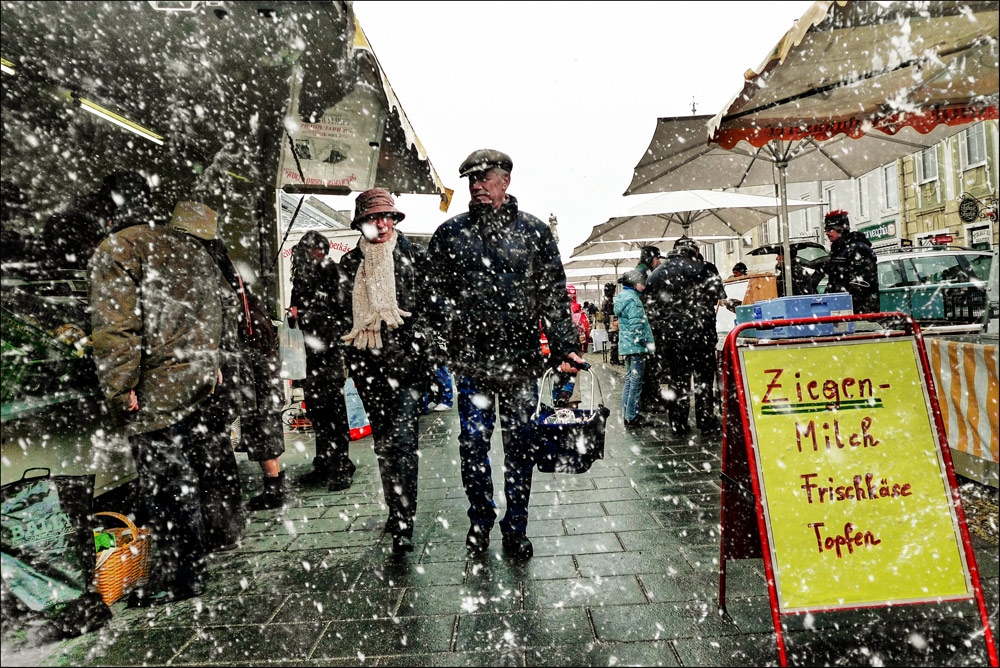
<point>785,244</point>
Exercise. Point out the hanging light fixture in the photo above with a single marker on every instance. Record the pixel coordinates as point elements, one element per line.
<point>120,121</point>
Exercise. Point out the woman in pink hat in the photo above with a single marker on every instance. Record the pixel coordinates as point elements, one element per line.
<point>389,349</point>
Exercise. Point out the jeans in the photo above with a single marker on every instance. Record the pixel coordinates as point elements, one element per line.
<point>635,365</point>
<point>477,408</point>
<point>440,391</point>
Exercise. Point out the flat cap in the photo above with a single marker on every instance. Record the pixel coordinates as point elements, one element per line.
<point>483,159</point>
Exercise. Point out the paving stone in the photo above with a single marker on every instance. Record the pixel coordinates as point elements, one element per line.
<point>644,540</point>
<point>618,654</point>
<point>609,524</point>
<point>266,543</point>
<point>660,621</point>
<point>409,574</point>
<point>632,562</point>
<point>559,512</point>
<point>252,644</point>
<point>597,543</point>
<point>559,482</point>
<point>513,657</point>
<point>538,527</point>
<point>248,609</point>
<point>298,526</point>
<point>598,495</point>
<point>497,570</point>
<point>500,632</point>
<point>617,508</point>
<point>459,599</point>
<point>739,650</point>
<point>376,637</point>
<point>313,541</point>
<point>616,481</point>
<point>351,604</point>
<point>151,646</point>
<point>583,592</point>
<point>684,517</point>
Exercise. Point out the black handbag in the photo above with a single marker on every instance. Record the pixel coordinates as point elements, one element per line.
<point>569,440</point>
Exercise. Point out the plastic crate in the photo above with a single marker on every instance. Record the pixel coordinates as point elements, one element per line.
<point>806,306</point>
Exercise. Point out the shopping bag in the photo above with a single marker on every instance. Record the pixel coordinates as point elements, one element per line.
<point>569,440</point>
<point>357,418</point>
<point>48,552</point>
<point>293,351</point>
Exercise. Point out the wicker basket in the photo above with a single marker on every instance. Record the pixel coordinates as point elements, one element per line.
<point>121,569</point>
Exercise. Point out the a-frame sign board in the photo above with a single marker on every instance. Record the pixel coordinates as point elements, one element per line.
<point>836,471</point>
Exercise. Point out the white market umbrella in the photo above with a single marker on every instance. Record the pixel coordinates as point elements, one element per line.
<point>607,263</point>
<point>701,214</point>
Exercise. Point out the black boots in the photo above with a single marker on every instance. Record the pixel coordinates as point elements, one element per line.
<point>477,541</point>
<point>402,544</point>
<point>273,495</point>
<point>517,546</point>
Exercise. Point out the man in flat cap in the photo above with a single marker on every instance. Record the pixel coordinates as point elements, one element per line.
<point>497,277</point>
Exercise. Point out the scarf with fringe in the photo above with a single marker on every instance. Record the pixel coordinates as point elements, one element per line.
<point>374,296</point>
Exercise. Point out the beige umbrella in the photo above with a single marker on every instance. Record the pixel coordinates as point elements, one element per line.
<point>854,85</point>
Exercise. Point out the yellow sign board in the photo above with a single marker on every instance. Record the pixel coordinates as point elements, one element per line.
<point>852,482</point>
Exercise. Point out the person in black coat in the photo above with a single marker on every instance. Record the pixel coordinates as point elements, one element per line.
<point>497,275</point>
<point>681,295</point>
<point>318,299</point>
<point>390,352</point>
<point>852,266</point>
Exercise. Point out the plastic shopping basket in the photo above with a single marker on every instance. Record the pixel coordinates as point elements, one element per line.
<point>569,440</point>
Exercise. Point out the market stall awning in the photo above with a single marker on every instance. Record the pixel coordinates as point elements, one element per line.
<point>855,67</point>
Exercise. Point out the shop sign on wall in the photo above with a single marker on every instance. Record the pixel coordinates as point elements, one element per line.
<point>853,485</point>
<point>886,230</point>
<point>341,149</point>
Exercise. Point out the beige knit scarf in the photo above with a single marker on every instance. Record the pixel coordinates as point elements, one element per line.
<point>374,298</point>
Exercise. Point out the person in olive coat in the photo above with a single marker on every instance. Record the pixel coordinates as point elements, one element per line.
<point>160,314</point>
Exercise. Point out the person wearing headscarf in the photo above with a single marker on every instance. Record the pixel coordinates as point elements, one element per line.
<point>389,349</point>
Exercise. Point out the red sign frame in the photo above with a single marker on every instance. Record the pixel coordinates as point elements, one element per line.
<point>742,536</point>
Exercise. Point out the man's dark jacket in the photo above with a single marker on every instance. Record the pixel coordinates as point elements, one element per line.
<point>853,268</point>
<point>680,298</point>
<point>407,352</point>
<point>497,273</point>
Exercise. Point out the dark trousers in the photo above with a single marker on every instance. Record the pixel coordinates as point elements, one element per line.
<point>706,374</point>
<point>261,428</point>
<point>653,375</point>
<point>681,364</point>
<point>394,414</point>
<point>326,407</point>
<point>188,478</point>
<point>477,408</point>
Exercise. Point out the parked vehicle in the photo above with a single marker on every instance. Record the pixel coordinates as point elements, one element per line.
<point>935,284</point>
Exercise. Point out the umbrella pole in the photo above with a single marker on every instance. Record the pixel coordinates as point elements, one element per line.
<point>785,243</point>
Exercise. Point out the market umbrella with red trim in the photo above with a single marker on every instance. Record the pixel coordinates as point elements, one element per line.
<point>804,117</point>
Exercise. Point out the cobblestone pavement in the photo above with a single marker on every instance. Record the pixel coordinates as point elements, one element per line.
<point>625,572</point>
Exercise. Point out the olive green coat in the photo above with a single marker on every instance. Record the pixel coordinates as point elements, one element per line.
<point>161,313</point>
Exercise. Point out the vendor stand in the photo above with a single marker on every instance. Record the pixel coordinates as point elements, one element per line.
<point>823,431</point>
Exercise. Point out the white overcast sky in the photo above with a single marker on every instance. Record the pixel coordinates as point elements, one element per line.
<point>571,90</point>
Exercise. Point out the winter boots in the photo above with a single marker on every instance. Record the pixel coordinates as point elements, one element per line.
<point>273,495</point>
